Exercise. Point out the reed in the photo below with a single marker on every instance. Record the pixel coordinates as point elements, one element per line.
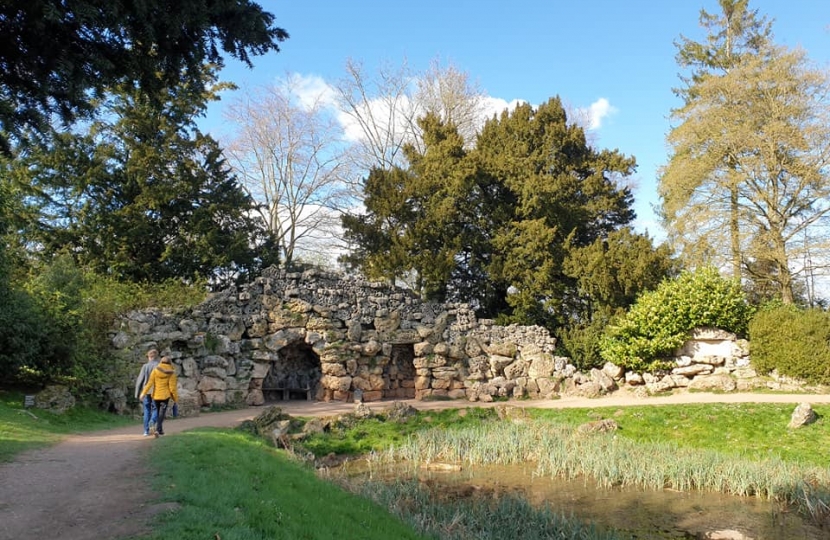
<point>507,517</point>
<point>616,461</point>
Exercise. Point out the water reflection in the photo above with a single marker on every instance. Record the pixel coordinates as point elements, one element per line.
<point>640,513</point>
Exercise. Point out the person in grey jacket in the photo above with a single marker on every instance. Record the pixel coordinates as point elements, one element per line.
<point>140,382</point>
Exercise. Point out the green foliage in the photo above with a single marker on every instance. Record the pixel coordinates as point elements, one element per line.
<point>142,195</point>
<point>31,344</point>
<point>613,271</point>
<point>103,44</point>
<point>582,343</point>
<point>471,224</point>
<point>660,321</point>
<point>795,342</point>
<point>56,326</point>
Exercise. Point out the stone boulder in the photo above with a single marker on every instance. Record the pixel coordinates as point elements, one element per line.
<point>802,415</point>
<point>55,398</point>
<point>718,382</point>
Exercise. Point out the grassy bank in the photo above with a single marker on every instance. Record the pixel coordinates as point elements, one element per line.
<point>24,429</point>
<point>232,486</point>
<point>737,449</point>
<point>746,430</point>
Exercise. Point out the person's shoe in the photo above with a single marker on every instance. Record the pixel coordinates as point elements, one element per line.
<point>160,433</point>
<point>146,434</point>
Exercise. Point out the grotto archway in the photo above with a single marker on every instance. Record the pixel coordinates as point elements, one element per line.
<point>295,374</point>
<point>399,374</point>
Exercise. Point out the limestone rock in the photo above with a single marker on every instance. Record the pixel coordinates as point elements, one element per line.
<point>55,398</point>
<point>802,415</point>
<point>598,426</point>
<point>722,382</point>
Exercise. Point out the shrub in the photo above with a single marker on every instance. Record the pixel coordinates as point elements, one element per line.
<point>54,327</point>
<point>660,321</point>
<point>793,341</point>
<point>582,343</point>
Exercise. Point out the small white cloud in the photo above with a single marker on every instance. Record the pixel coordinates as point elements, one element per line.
<point>310,90</point>
<point>597,111</point>
<point>493,106</point>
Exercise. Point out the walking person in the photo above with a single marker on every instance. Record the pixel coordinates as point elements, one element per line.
<point>162,384</point>
<point>141,380</point>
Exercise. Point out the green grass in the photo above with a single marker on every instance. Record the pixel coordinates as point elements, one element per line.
<point>232,486</point>
<point>21,430</point>
<point>377,433</point>
<point>751,430</point>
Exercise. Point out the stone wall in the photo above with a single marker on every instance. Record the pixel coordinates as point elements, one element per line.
<point>336,337</point>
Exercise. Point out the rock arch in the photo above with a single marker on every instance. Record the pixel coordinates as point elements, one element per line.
<point>368,340</point>
<point>294,374</point>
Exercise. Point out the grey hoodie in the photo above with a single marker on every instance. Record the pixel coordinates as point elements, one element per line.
<point>144,375</point>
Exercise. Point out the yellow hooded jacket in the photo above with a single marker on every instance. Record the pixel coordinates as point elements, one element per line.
<point>163,382</point>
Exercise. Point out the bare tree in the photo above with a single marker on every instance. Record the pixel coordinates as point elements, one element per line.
<point>289,153</point>
<point>449,94</point>
<point>378,112</point>
<point>381,111</point>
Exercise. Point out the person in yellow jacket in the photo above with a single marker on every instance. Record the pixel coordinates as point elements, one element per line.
<point>163,382</point>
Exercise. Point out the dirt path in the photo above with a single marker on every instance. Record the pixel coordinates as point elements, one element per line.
<point>96,486</point>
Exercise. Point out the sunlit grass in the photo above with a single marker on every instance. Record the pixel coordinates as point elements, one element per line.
<point>378,433</point>
<point>24,429</point>
<point>231,486</point>
<point>750,430</point>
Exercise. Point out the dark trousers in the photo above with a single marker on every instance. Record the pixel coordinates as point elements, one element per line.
<point>161,412</point>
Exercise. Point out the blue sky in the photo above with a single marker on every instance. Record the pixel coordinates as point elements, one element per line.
<point>583,51</point>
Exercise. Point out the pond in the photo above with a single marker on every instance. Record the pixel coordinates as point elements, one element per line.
<point>643,514</point>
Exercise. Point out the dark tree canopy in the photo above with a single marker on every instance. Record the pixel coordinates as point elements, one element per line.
<point>493,225</point>
<point>55,56</point>
<point>142,195</point>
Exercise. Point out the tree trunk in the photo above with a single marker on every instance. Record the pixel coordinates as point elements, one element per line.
<point>734,232</point>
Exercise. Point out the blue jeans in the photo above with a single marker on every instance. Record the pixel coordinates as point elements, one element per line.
<point>149,412</point>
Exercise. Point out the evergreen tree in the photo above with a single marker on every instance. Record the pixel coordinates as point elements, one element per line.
<point>734,34</point>
<point>475,224</point>
<point>747,173</point>
<point>142,195</point>
<point>58,58</point>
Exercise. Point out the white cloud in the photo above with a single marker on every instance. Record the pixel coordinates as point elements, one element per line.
<point>310,90</point>
<point>597,112</point>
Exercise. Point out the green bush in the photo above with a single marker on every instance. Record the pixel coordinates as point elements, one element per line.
<point>582,343</point>
<point>793,341</point>
<point>54,327</point>
<point>660,321</point>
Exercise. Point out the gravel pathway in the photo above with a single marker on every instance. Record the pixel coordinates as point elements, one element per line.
<point>95,486</point>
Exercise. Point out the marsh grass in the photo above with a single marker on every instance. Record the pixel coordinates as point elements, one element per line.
<point>508,517</point>
<point>378,433</point>
<point>25,429</point>
<point>612,460</point>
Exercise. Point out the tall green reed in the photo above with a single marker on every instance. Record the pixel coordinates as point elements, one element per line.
<point>614,461</point>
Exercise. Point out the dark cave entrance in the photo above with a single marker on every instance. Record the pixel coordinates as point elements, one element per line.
<point>399,373</point>
<point>294,375</point>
